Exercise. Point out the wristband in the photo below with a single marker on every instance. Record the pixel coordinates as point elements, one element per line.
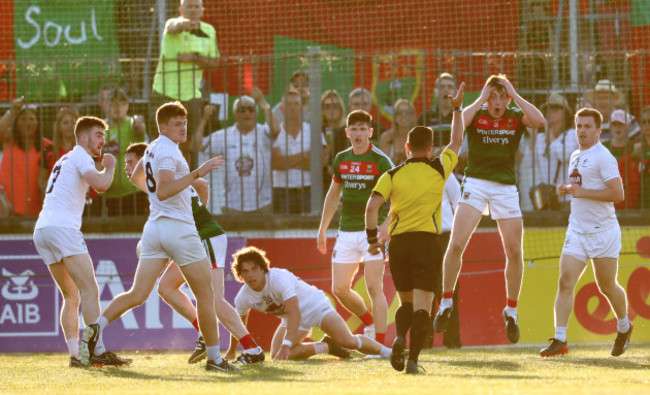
<point>287,342</point>
<point>371,235</point>
<point>195,174</point>
<point>459,108</point>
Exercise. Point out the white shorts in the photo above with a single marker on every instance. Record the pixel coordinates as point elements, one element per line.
<point>585,246</point>
<point>54,243</point>
<point>167,238</point>
<point>215,249</point>
<point>501,201</point>
<point>313,315</point>
<point>351,247</point>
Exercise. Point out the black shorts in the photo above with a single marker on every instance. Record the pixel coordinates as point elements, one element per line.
<point>415,261</point>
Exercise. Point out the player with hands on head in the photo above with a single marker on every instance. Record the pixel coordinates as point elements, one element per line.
<point>493,132</point>
<point>415,190</point>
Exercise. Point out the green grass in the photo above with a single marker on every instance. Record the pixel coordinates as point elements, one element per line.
<point>587,369</point>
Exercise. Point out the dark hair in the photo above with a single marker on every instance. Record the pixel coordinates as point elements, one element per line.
<point>86,123</point>
<point>18,136</point>
<point>357,116</point>
<point>249,254</point>
<point>420,138</point>
<point>493,81</point>
<point>590,112</point>
<point>168,111</point>
<point>299,73</point>
<point>137,149</point>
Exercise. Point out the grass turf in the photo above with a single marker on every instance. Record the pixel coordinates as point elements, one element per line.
<point>587,369</point>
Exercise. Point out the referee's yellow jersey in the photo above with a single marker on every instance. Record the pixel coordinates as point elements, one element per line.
<point>415,192</point>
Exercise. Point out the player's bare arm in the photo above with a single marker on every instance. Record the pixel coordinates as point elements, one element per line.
<point>168,186</point>
<point>613,193</point>
<point>293,328</point>
<point>138,178</point>
<point>202,188</point>
<point>457,124</point>
<point>329,208</point>
<point>372,212</point>
<point>102,180</point>
<point>472,109</point>
<point>533,117</point>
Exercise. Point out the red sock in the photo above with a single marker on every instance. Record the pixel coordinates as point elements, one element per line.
<point>367,319</point>
<point>247,342</point>
<point>196,324</point>
<point>511,303</point>
<point>380,337</point>
<point>448,295</point>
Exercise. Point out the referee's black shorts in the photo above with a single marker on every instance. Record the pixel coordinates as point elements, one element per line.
<point>415,261</point>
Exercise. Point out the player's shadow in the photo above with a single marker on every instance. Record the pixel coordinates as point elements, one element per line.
<point>493,364</point>
<point>605,362</point>
<point>265,372</point>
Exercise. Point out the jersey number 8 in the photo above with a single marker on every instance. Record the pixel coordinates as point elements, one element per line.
<point>151,181</point>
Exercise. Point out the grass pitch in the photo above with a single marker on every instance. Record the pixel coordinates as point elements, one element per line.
<point>587,369</point>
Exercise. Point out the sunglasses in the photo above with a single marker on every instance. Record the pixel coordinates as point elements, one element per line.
<point>244,109</point>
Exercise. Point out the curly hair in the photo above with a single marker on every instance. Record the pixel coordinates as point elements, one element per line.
<point>249,254</point>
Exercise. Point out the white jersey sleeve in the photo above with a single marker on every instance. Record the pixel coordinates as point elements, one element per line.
<point>65,193</point>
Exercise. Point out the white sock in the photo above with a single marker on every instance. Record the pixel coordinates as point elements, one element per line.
<point>73,347</point>
<point>102,322</point>
<point>623,324</point>
<point>254,351</point>
<point>560,333</point>
<point>99,347</point>
<point>446,303</point>
<point>321,348</point>
<point>385,351</point>
<point>214,353</point>
<point>511,312</point>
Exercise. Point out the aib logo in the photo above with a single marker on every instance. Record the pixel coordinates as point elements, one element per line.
<point>19,287</point>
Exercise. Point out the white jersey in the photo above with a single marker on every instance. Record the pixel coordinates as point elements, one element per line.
<point>590,169</point>
<point>280,285</point>
<point>247,158</point>
<point>450,198</point>
<point>65,194</point>
<point>289,145</point>
<point>164,154</point>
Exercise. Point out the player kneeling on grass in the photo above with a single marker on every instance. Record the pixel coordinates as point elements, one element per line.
<point>593,232</point>
<point>300,306</point>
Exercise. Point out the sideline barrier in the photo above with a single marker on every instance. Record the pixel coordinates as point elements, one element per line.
<point>29,301</point>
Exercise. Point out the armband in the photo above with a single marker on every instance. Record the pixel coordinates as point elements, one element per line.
<point>287,342</point>
<point>371,235</point>
<point>195,174</point>
<point>459,108</point>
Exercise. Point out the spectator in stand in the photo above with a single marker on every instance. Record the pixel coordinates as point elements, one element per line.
<point>299,82</point>
<point>246,150</point>
<point>188,47</point>
<point>333,118</point>
<point>290,159</point>
<point>393,141</point>
<point>621,147</point>
<point>438,118</point>
<point>359,99</point>
<point>122,198</point>
<point>642,153</point>
<point>22,163</point>
<point>606,98</point>
<point>554,147</point>
<point>63,141</point>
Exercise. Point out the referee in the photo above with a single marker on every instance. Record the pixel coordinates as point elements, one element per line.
<point>415,191</point>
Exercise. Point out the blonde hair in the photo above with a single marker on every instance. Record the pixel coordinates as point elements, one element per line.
<point>411,107</point>
<point>57,139</point>
<point>333,94</point>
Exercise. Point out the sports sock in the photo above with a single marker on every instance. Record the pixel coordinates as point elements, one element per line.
<point>446,303</point>
<point>195,324</point>
<point>511,303</point>
<point>73,347</point>
<point>214,353</point>
<point>367,319</point>
<point>623,324</point>
<point>385,351</point>
<point>102,322</point>
<point>403,317</point>
<point>418,333</point>
<point>99,347</point>
<point>321,348</point>
<point>511,312</point>
<point>247,342</point>
<point>560,333</point>
<point>380,338</point>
